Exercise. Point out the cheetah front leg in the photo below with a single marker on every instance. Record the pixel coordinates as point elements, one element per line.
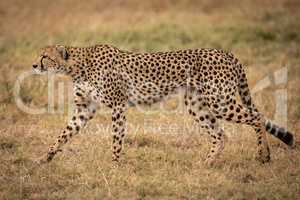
<point>118,130</point>
<point>84,111</point>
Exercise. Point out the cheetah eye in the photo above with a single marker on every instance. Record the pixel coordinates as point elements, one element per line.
<point>44,55</point>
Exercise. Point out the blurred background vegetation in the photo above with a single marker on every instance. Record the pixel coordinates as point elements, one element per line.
<point>264,34</point>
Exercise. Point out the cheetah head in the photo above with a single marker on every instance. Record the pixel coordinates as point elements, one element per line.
<point>53,59</point>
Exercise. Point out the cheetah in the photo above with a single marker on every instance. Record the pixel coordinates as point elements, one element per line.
<point>210,78</point>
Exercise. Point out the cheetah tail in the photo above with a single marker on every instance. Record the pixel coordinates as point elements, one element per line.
<point>279,132</point>
<point>244,92</point>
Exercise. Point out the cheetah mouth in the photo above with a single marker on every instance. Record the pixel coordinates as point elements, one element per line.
<point>40,70</point>
<point>43,69</point>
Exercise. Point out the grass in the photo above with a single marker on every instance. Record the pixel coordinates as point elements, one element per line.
<point>163,155</point>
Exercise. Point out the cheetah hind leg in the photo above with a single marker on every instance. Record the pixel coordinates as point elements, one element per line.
<point>240,114</point>
<point>206,120</point>
<point>217,137</point>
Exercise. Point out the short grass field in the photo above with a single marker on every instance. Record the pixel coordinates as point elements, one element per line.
<point>163,154</point>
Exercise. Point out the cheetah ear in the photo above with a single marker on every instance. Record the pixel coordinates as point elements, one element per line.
<point>62,51</point>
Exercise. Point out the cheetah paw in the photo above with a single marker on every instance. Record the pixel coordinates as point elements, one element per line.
<point>210,162</point>
<point>263,156</point>
<point>263,159</point>
<point>41,160</point>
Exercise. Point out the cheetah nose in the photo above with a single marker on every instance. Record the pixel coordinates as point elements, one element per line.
<point>34,66</point>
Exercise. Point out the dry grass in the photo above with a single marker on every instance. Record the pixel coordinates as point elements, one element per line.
<point>160,163</point>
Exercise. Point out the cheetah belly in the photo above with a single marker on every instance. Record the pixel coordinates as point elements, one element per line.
<point>152,93</point>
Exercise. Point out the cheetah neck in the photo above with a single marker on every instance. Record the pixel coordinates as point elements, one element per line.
<point>76,63</point>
